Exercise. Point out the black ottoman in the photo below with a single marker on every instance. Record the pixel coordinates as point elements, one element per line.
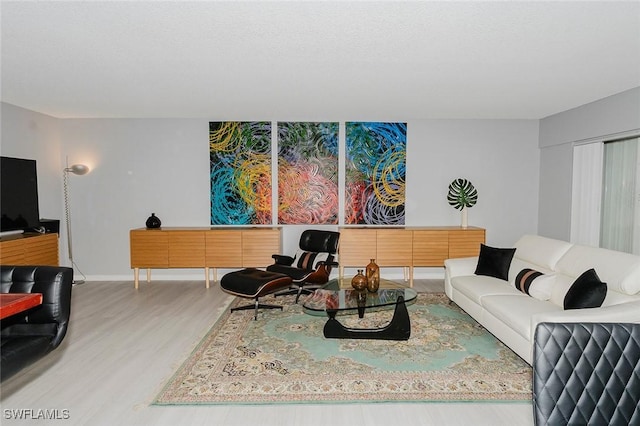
<point>254,283</point>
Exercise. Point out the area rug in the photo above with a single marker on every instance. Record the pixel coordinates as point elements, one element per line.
<point>284,358</point>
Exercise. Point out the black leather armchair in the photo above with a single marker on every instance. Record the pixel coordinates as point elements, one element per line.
<point>28,336</point>
<point>313,263</point>
<point>586,374</point>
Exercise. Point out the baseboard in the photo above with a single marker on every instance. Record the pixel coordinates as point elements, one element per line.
<point>154,277</point>
<point>198,275</point>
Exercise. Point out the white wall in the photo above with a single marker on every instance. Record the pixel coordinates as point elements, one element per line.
<point>609,116</point>
<point>28,134</point>
<point>555,191</point>
<point>499,157</point>
<point>140,166</point>
<point>602,120</point>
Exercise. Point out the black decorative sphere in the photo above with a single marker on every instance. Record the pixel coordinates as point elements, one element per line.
<point>153,221</point>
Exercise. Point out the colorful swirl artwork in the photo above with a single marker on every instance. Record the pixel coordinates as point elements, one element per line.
<point>375,173</point>
<point>240,166</point>
<point>307,173</point>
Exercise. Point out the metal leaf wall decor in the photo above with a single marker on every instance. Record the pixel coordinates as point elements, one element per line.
<point>462,194</point>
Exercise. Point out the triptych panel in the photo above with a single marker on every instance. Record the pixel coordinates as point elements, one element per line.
<point>240,172</point>
<point>307,173</point>
<point>375,173</point>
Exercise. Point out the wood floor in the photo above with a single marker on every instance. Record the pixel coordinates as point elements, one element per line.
<point>123,344</point>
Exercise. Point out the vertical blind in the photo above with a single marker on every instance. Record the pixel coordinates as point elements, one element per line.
<point>619,224</point>
<point>586,200</point>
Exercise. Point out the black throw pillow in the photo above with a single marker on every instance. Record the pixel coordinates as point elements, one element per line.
<point>495,262</point>
<point>587,291</point>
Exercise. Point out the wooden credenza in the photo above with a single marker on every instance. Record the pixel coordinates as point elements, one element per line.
<point>29,249</point>
<point>407,247</point>
<point>202,248</point>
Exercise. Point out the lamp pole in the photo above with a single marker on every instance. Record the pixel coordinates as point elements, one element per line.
<point>76,169</point>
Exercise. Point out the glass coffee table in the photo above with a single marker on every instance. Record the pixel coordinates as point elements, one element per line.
<point>337,297</point>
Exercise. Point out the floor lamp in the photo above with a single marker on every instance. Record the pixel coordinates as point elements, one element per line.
<point>76,169</point>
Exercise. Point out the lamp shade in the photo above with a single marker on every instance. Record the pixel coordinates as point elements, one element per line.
<point>78,169</point>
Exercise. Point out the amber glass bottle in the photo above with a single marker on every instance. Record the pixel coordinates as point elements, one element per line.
<point>373,276</point>
<point>359,282</point>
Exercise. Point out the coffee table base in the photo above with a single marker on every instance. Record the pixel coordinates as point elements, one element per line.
<point>398,329</point>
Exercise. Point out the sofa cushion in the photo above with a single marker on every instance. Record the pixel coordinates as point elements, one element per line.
<point>586,292</point>
<point>477,286</point>
<point>516,311</point>
<point>621,271</point>
<point>560,288</point>
<point>535,283</point>
<point>616,298</point>
<point>17,352</point>
<point>494,262</point>
<point>542,251</point>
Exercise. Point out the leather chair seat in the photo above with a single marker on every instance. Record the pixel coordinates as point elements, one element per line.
<point>254,283</point>
<point>296,274</point>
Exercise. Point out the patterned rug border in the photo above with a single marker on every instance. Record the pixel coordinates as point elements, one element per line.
<point>410,397</point>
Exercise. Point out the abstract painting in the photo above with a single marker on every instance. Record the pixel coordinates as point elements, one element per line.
<point>240,172</point>
<point>375,173</point>
<point>307,173</point>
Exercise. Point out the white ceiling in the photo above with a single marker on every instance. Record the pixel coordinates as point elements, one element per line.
<point>317,60</point>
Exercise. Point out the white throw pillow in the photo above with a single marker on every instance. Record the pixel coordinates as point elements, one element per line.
<point>542,287</point>
<point>535,283</point>
<point>560,288</point>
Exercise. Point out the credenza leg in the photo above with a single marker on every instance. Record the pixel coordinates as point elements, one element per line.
<point>148,275</point>
<point>206,277</point>
<point>408,270</point>
<point>136,277</point>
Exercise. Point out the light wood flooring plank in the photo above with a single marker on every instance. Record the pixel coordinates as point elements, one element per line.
<point>123,345</point>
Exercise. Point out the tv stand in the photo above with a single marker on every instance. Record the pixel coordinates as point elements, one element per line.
<point>29,249</point>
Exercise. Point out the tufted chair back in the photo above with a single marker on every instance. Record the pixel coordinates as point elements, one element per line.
<point>586,373</point>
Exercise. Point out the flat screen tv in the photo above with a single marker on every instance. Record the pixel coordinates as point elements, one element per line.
<point>18,194</point>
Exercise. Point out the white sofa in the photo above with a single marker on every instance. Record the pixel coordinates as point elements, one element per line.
<point>512,315</point>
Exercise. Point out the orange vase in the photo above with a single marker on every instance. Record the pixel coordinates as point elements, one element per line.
<point>359,282</point>
<point>373,276</point>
